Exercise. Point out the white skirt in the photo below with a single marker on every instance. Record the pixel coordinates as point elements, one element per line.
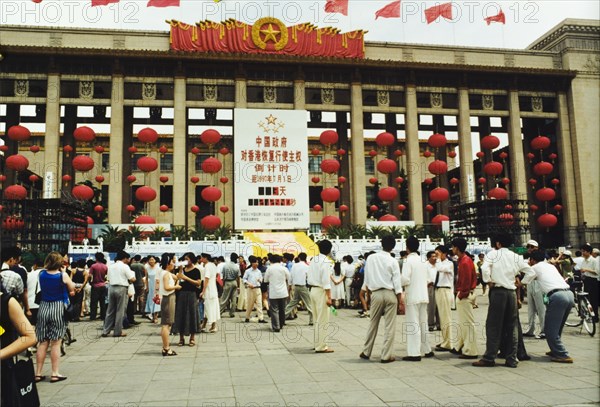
<point>212,310</point>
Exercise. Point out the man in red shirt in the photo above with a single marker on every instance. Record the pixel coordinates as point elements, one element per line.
<point>99,291</point>
<point>465,298</point>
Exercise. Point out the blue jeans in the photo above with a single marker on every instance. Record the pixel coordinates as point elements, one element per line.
<point>558,309</point>
<point>201,310</point>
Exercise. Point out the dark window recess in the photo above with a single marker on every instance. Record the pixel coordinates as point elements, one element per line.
<point>450,100</point>
<point>69,89</point>
<point>342,96</point>
<point>139,205</point>
<point>226,93</point>
<point>166,163</point>
<point>314,163</point>
<point>133,90</point>
<point>285,95</point>
<point>314,196</point>
<point>105,162</point>
<point>104,196</point>
<point>166,195</point>
<point>134,160</point>
<point>475,101</point>
<point>525,103</point>
<point>205,206</point>
<point>7,87</point>
<point>369,97</point>
<point>102,90</point>
<point>194,92</point>
<point>423,99</point>
<point>199,160</point>
<point>397,99</point>
<point>369,165</point>
<point>500,102</point>
<point>549,104</point>
<point>313,96</point>
<point>164,91</point>
<point>255,94</point>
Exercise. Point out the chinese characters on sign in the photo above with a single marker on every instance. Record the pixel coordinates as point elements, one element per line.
<point>271,185</point>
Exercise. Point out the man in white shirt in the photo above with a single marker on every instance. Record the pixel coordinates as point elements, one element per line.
<point>278,277</point>
<point>319,280</point>
<point>560,302</point>
<point>298,281</point>
<point>589,274</point>
<point>382,278</point>
<point>443,298</point>
<point>119,276</point>
<point>252,280</point>
<point>535,300</point>
<point>415,277</point>
<point>500,268</point>
<point>348,269</point>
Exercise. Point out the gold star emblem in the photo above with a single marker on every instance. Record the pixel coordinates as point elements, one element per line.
<point>271,119</point>
<point>270,33</point>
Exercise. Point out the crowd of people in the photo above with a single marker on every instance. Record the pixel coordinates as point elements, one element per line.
<point>190,294</point>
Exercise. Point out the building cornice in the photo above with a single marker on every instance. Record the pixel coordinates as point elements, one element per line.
<point>569,26</point>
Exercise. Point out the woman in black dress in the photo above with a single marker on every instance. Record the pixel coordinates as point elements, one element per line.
<point>79,276</point>
<point>186,309</point>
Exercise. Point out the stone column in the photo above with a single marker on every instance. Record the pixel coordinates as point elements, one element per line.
<point>299,95</point>
<point>566,168</point>
<point>413,170</point>
<point>358,206</point>
<point>518,177</point>
<point>241,98</point>
<point>467,173</point>
<point>51,174</point>
<point>116,157</point>
<point>180,179</point>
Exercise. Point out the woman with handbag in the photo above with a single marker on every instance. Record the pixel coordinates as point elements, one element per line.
<point>166,287</point>
<point>51,323</point>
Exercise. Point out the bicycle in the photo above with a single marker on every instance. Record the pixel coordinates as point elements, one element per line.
<point>584,310</point>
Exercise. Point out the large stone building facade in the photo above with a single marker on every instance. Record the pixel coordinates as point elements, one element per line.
<point>121,81</point>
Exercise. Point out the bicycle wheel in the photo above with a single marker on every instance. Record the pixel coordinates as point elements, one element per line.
<point>578,314</point>
<point>588,319</point>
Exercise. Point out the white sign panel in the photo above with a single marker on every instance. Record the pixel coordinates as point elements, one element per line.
<point>271,169</point>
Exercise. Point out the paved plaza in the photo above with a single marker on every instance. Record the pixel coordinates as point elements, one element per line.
<point>247,365</point>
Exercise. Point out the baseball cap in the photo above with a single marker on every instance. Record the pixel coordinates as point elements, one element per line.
<point>532,243</point>
<point>567,253</point>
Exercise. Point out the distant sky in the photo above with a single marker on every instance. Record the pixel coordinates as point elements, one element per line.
<point>525,20</point>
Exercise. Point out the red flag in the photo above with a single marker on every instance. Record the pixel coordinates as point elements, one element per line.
<point>499,18</point>
<point>103,2</point>
<point>442,10</point>
<point>392,10</point>
<point>337,6</point>
<point>163,3</point>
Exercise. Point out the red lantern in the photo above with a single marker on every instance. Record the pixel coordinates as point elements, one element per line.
<point>497,193</point>
<point>385,139</point>
<point>18,133</point>
<point>130,208</point>
<point>98,208</point>
<point>506,181</point>
<point>438,167</point>
<point>211,165</point>
<point>387,166</point>
<point>428,208</point>
<point>317,208</point>
<point>223,180</point>
<point>341,180</point>
<point>438,219</point>
<point>163,179</point>
<point>330,221</point>
<point>506,219</point>
<point>439,194</point>
<point>452,154</point>
<point>330,166</point>
<point>99,149</point>
<point>195,208</point>
<point>315,151</point>
<point>145,220</point>
<point>99,179</point>
<point>545,194</point>
<point>427,154</point>
<point>211,194</point>
<point>131,178</point>
<point>547,220</point>
<point>66,178</point>
<point>558,208</point>
<point>67,149</point>
<point>482,180</point>
<point>2,177</point>
<point>84,134</point>
<point>163,208</point>
<point>387,194</point>
<point>401,208</point>
<point>344,208</point>
<point>147,164</point>
<point>195,150</point>
<point>163,150</point>
<point>17,162</point>
<point>83,163</point>
<point>4,148</point>
<point>373,208</point>
<point>533,208</point>
<point>145,194</point>
<point>373,153</point>
<point>503,155</point>
<point>493,168</point>
<point>490,142</point>
<point>83,192</point>
<point>210,137</point>
<point>148,135</point>
<point>532,182</point>
<point>388,218</point>
<point>224,151</point>
<point>341,152</point>
<point>224,209</point>
<point>195,180</point>
<point>437,140</point>
<point>132,150</point>
<point>540,143</point>
<point>330,194</point>
<point>553,156</point>
<point>454,181</point>
<point>33,178</point>
<point>34,149</point>
<point>428,181</point>
<point>555,181</point>
<point>373,180</point>
<point>480,154</point>
<point>530,156</point>
<point>399,180</point>
<point>398,153</point>
<point>543,168</point>
<point>89,221</point>
<point>508,207</point>
<point>328,137</point>
<point>15,192</point>
<point>210,222</point>
<point>316,180</point>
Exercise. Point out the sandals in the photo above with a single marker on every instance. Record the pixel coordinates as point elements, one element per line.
<point>169,352</point>
<point>55,379</point>
<point>192,343</point>
<point>39,378</point>
<point>181,343</point>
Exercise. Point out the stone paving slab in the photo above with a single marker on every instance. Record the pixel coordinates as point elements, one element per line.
<point>247,365</point>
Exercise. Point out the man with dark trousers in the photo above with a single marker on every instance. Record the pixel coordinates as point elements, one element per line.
<point>99,292</point>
